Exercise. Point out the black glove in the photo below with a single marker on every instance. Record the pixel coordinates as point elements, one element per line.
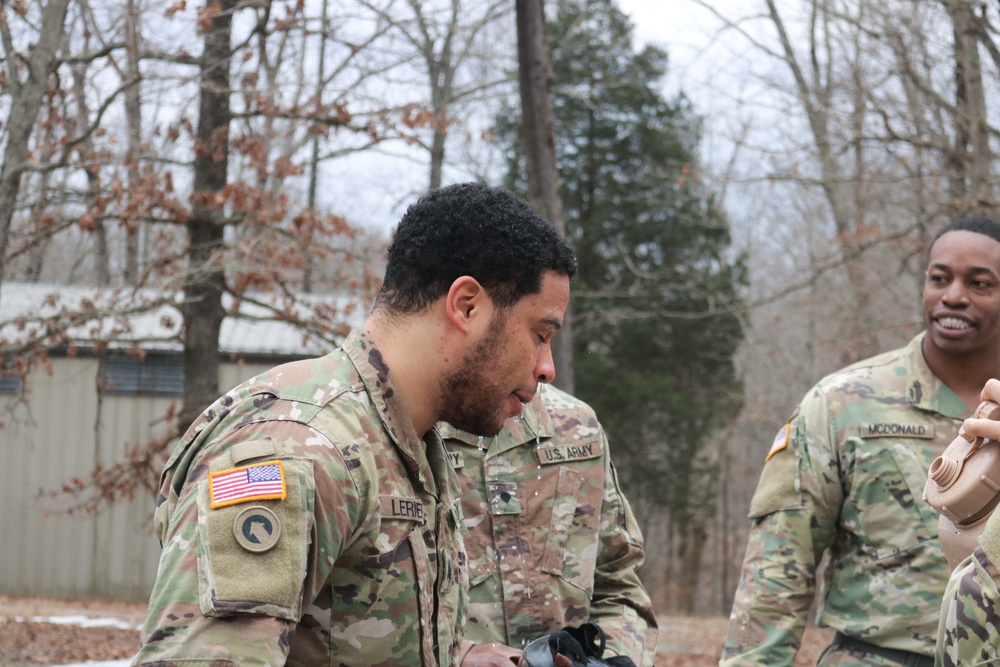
<point>583,645</point>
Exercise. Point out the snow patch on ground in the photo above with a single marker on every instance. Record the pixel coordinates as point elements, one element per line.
<point>82,621</point>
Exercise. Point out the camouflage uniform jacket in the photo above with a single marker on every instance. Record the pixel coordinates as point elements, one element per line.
<point>304,522</point>
<point>969,633</point>
<point>552,541</point>
<point>846,477</point>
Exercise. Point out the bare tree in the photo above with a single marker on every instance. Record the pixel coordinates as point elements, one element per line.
<point>972,159</point>
<point>26,92</point>
<point>205,281</point>
<point>450,43</point>
<point>219,189</point>
<point>133,117</point>
<point>540,147</point>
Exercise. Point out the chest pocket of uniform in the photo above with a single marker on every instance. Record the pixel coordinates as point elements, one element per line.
<point>381,551</point>
<point>381,565</point>
<point>451,550</point>
<point>452,569</point>
<point>481,564</point>
<point>886,495</point>
<point>571,546</point>
<point>392,535</point>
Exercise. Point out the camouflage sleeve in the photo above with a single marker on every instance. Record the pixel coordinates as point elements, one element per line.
<point>794,509</point>
<point>620,604</point>
<point>224,601</point>
<point>774,594</point>
<point>969,626</point>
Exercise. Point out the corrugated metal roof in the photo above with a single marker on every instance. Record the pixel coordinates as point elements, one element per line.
<point>61,315</point>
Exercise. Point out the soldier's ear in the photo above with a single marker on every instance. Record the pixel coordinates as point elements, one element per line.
<point>467,305</point>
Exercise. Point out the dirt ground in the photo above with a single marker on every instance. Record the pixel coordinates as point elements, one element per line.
<point>684,641</point>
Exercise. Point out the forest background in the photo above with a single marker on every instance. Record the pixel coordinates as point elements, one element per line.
<point>741,232</point>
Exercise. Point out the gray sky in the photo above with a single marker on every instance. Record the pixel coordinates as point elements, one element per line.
<point>699,64</point>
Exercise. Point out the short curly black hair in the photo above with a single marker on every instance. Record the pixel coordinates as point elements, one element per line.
<point>979,225</point>
<point>471,229</point>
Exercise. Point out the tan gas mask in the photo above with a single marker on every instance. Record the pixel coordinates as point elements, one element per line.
<point>964,486</point>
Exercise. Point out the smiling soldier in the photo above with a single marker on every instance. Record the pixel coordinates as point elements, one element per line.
<point>846,475</point>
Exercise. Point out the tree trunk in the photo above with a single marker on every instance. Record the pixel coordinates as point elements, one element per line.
<point>205,281</point>
<point>39,210</point>
<point>308,266</point>
<point>971,183</point>
<point>441,74</point>
<point>102,260</point>
<point>540,148</point>
<point>815,93</point>
<point>133,120</point>
<point>694,535</point>
<point>25,102</point>
<point>437,151</point>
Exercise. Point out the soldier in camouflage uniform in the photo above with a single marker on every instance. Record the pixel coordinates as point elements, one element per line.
<point>310,516</point>
<point>969,630</point>
<point>845,477</point>
<point>552,541</point>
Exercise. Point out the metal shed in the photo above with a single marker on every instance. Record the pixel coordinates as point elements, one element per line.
<point>57,426</point>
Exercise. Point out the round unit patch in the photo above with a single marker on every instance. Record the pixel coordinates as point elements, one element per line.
<point>257,529</point>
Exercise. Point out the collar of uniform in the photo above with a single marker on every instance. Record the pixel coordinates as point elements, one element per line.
<point>925,390</point>
<point>534,423</point>
<point>396,421</point>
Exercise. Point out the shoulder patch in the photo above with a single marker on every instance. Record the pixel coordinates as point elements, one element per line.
<point>259,481</point>
<point>257,529</point>
<point>780,441</point>
<point>778,488</point>
<point>255,555</point>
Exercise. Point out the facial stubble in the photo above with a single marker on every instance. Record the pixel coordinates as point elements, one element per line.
<point>467,393</point>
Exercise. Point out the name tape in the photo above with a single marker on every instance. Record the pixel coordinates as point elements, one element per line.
<point>403,508</point>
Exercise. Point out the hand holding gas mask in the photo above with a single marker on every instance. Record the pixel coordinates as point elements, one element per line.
<point>581,646</point>
<point>964,482</point>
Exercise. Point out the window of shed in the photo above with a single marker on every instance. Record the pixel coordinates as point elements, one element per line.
<point>10,381</point>
<point>155,375</point>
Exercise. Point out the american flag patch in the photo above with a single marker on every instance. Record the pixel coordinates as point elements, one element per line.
<point>780,441</point>
<point>260,481</point>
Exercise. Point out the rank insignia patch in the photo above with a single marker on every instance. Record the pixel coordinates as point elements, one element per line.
<point>780,441</point>
<point>260,481</point>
